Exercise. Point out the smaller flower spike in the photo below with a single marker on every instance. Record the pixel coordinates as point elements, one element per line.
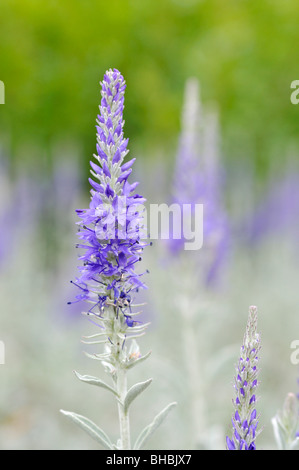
<point>285,424</point>
<point>245,419</point>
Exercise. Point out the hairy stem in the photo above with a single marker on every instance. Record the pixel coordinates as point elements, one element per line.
<point>193,367</point>
<point>124,421</point>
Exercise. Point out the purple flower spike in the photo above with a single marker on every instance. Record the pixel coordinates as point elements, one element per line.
<point>111,228</point>
<point>198,180</point>
<point>111,231</point>
<point>245,420</point>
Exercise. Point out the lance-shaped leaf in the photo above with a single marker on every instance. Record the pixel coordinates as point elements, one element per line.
<point>134,362</point>
<point>97,357</point>
<point>95,381</point>
<point>91,428</point>
<point>133,392</point>
<point>150,429</point>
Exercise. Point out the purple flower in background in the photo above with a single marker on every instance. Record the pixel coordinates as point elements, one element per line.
<point>18,209</point>
<point>278,211</point>
<point>217,232</point>
<point>245,419</point>
<point>198,179</point>
<point>111,228</point>
<point>188,179</point>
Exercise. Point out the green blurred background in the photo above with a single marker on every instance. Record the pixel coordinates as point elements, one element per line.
<point>54,54</point>
<point>52,57</point>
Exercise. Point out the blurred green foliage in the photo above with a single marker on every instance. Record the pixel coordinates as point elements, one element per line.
<point>53,55</point>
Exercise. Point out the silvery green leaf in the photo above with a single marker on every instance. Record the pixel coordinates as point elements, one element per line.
<point>102,341</point>
<point>294,444</point>
<point>135,336</point>
<point>149,430</point>
<point>141,327</point>
<point>134,361</point>
<point>115,447</point>
<point>133,392</point>
<point>118,444</point>
<point>134,350</point>
<point>95,381</point>
<point>96,335</point>
<point>97,357</point>
<point>285,424</point>
<point>91,428</point>
<point>109,368</point>
<point>283,438</point>
<point>279,436</point>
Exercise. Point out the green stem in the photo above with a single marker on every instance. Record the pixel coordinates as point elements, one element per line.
<point>124,421</point>
<point>118,352</point>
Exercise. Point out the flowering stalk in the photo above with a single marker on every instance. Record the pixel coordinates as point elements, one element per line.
<point>285,424</point>
<point>111,234</point>
<point>245,419</point>
<point>196,182</point>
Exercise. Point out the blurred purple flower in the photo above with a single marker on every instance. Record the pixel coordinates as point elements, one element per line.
<point>18,212</point>
<point>278,211</point>
<point>198,179</point>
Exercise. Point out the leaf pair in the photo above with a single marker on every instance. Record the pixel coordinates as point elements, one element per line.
<point>101,437</point>
<point>97,433</point>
